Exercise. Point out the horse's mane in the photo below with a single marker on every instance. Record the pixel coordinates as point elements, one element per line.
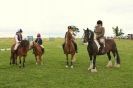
<point>90,34</point>
<point>69,35</point>
<point>37,47</point>
<point>24,43</point>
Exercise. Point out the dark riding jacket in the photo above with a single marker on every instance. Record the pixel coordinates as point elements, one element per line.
<point>39,41</point>
<point>19,36</point>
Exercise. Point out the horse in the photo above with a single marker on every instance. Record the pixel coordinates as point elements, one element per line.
<point>69,49</point>
<point>92,48</point>
<point>20,52</point>
<point>38,52</point>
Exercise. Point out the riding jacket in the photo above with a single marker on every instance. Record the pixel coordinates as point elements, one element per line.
<point>39,41</point>
<point>99,31</point>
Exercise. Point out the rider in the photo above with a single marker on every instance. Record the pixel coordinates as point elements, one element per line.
<point>99,35</point>
<point>18,38</point>
<point>70,29</point>
<point>39,41</point>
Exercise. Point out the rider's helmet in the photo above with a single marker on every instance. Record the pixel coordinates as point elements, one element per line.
<point>99,22</point>
<point>38,35</point>
<point>20,30</point>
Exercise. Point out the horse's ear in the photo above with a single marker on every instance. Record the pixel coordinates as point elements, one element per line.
<point>87,29</point>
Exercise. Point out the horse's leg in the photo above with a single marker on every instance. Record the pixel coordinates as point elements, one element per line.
<point>15,59</point>
<point>72,56</point>
<point>91,63</point>
<point>110,62</point>
<point>11,59</point>
<point>36,59</point>
<point>40,59</point>
<point>23,61</point>
<point>20,61</point>
<point>117,58</point>
<point>94,64</point>
<point>67,61</point>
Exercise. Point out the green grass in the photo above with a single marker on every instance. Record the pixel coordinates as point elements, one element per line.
<point>53,73</point>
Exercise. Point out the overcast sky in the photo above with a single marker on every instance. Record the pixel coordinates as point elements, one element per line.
<point>51,17</point>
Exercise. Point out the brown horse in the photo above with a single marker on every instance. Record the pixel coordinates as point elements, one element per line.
<point>110,46</point>
<point>38,52</point>
<point>20,52</point>
<point>69,48</point>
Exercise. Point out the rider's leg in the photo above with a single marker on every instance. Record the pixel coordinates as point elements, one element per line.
<point>42,48</point>
<point>75,45</point>
<point>63,46</point>
<point>102,41</point>
<point>15,47</point>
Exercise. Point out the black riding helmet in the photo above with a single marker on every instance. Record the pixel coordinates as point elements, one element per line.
<point>20,31</point>
<point>99,22</point>
<point>70,27</point>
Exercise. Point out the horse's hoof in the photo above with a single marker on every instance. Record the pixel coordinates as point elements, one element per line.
<point>66,66</point>
<point>72,66</point>
<point>109,65</point>
<point>117,65</point>
<point>94,70</point>
<point>89,68</point>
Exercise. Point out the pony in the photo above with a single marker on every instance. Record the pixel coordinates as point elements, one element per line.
<point>69,49</point>
<point>20,52</point>
<point>92,48</point>
<point>38,52</point>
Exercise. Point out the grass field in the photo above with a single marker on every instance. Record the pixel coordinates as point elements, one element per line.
<point>53,73</point>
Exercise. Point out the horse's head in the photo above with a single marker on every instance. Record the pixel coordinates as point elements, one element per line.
<point>33,44</point>
<point>24,43</point>
<point>69,35</point>
<point>88,35</point>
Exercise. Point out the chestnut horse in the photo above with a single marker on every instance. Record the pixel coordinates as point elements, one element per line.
<point>38,52</point>
<point>20,52</point>
<point>110,46</point>
<point>69,48</point>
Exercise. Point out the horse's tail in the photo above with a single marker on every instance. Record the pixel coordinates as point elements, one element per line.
<point>117,57</point>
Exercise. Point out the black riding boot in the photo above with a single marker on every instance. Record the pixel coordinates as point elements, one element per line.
<point>43,50</point>
<point>75,45</point>
<point>63,46</point>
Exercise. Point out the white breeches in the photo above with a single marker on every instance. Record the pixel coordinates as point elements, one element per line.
<point>42,46</point>
<point>16,46</point>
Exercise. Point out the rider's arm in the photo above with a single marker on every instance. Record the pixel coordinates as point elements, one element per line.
<point>16,39</point>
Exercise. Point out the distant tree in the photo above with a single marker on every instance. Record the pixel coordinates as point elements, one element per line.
<point>118,32</point>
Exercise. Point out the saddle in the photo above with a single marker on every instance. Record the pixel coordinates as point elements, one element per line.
<point>101,48</point>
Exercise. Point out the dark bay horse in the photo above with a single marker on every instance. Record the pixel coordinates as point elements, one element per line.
<point>38,52</point>
<point>20,52</point>
<point>69,49</point>
<point>93,51</point>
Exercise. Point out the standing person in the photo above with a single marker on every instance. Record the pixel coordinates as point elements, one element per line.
<point>18,38</point>
<point>70,29</point>
<point>39,41</point>
<point>99,35</point>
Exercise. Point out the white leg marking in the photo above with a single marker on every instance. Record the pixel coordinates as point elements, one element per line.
<point>109,64</point>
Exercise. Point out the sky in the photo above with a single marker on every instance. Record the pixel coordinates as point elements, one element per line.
<point>51,17</point>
